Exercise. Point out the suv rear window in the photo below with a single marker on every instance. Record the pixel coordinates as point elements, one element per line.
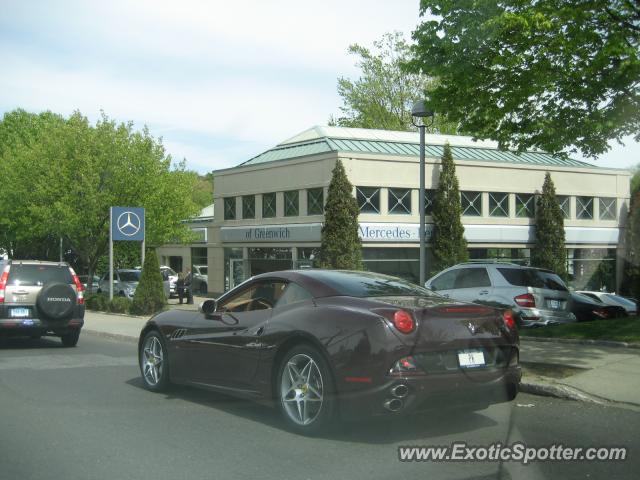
<point>129,276</point>
<point>38,275</point>
<point>524,277</point>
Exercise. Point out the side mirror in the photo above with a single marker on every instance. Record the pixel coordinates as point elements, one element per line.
<point>208,307</point>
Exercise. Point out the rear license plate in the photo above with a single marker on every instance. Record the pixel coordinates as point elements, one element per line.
<point>471,358</point>
<point>19,312</point>
<point>554,304</point>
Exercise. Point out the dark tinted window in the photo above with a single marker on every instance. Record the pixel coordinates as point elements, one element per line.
<point>363,284</point>
<point>129,276</point>
<point>523,277</point>
<point>472,277</point>
<point>36,275</point>
<point>292,294</point>
<point>446,281</point>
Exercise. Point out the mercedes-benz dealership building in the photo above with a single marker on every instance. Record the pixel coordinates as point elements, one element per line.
<point>269,209</point>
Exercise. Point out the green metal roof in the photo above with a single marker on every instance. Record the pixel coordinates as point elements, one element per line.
<point>351,145</point>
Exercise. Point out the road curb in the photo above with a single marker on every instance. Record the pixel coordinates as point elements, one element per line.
<point>113,336</point>
<point>577,341</point>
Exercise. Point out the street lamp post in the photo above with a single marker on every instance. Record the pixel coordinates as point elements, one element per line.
<point>419,112</point>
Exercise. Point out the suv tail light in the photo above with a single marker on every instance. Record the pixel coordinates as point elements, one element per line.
<point>3,282</point>
<point>79,287</point>
<point>525,300</point>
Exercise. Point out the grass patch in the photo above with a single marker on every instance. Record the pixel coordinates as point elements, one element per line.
<point>619,330</point>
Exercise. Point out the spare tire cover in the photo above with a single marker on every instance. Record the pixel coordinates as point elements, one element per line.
<point>56,301</point>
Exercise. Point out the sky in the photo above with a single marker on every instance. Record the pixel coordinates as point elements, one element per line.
<point>219,81</point>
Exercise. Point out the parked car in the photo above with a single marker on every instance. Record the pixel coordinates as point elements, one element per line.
<point>322,341</point>
<point>41,298</point>
<point>200,279</point>
<point>586,309</point>
<point>613,299</point>
<point>125,282</point>
<point>170,274</point>
<point>537,296</point>
<point>85,283</point>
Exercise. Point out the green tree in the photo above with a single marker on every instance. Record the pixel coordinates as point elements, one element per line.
<point>340,247</point>
<point>549,250</point>
<point>61,182</point>
<point>560,75</point>
<point>149,297</point>
<point>203,190</point>
<point>631,284</point>
<point>385,92</point>
<point>449,244</point>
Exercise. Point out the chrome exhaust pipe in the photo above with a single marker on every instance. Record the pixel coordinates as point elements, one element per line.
<point>400,391</point>
<point>393,404</point>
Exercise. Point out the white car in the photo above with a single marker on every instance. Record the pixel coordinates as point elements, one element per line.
<point>613,299</point>
<point>200,279</point>
<point>169,274</point>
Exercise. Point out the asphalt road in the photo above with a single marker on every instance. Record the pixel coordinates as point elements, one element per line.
<point>82,413</point>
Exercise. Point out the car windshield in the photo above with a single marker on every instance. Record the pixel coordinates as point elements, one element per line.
<point>362,284</point>
<point>169,271</point>
<point>202,270</point>
<point>529,277</point>
<point>37,275</point>
<point>129,276</point>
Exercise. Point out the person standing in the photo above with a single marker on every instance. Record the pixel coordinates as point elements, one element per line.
<point>187,286</point>
<point>180,286</point>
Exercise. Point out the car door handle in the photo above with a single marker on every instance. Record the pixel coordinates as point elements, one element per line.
<point>21,292</point>
<point>484,292</point>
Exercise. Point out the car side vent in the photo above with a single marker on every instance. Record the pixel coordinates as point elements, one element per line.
<point>178,333</point>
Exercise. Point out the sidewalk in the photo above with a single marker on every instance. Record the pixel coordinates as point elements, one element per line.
<point>579,372</point>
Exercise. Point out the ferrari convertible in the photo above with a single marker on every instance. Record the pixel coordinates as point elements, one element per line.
<point>321,343</point>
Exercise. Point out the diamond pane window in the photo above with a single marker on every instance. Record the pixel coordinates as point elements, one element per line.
<point>498,204</point>
<point>400,201</point>
<point>368,199</point>
<point>249,206</point>
<point>471,203</point>
<point>525,205</point>
<point>429,197</point>
<point>315,201</point>
<point>230,208</point>
<point>291,205</point>
<point>268,205</point>
<point>584,208</point>
<point>563,200</point>
<point>607,209</point>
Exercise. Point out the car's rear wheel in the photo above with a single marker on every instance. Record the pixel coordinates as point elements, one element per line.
<point>70,339</point>
<point>305,390</point>
<point>154,364</point>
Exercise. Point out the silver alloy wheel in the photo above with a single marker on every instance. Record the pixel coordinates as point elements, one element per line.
<point>301,389</point>
<point>152,359</point>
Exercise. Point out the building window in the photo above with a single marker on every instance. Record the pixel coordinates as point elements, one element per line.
<point>429,197</point>
<point>268,205</point>
<point>368,199</point>
<point>471,203</point>
<point>584,208</point>
<point>230,208</point>
<point>249,206</point>
<point>291,205</point>
<point>315,201</point>
<point>607,208</point>
<point>498,204</point>
<point>525,205</point>
<point>564,202</point>
<point>400,201</point>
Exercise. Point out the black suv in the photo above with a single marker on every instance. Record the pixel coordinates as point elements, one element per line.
<point>41,298</point>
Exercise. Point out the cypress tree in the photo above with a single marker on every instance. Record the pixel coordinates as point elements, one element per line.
<point>549,250</point>
<point>631,284</point>
<point>449,244</point>
<point>149,297</point>
<point>341,247</point>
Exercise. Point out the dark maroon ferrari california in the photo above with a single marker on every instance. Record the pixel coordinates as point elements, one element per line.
<point>325,343</point>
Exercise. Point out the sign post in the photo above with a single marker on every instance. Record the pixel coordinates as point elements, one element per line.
<point>125,224</point>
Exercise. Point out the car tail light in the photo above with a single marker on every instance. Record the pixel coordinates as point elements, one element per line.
<point>525,300</point>
<point>508,319</point>
<point>601,312</point>
<point>406,366</point>
<point>3,282</point>
<point>79,287</point>
<point>403,321</point>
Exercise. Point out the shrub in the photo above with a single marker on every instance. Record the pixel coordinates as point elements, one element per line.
<point>96,301</point>
<point>149,297</point>
<point>119,305</point>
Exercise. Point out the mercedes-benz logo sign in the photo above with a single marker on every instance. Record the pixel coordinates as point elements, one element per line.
<point>128,223</point>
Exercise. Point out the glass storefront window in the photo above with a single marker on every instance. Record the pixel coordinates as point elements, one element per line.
<point>249,206</point>
<point>234,268</point>
<point>521,256</point>
<point>368,199</point>
<point>399,262</point>
<point>315,201</point>
<point>307,257</point>
<point>592,268</point>
<point>230,208</point>
<point>291,203</point>
<point>268,205</point>
<point>269,259</point>
<point>498,204</point>
<point>471,203</point>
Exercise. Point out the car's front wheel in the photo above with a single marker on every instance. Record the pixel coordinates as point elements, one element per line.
<point>305,390</point>
<point>154,364</point>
